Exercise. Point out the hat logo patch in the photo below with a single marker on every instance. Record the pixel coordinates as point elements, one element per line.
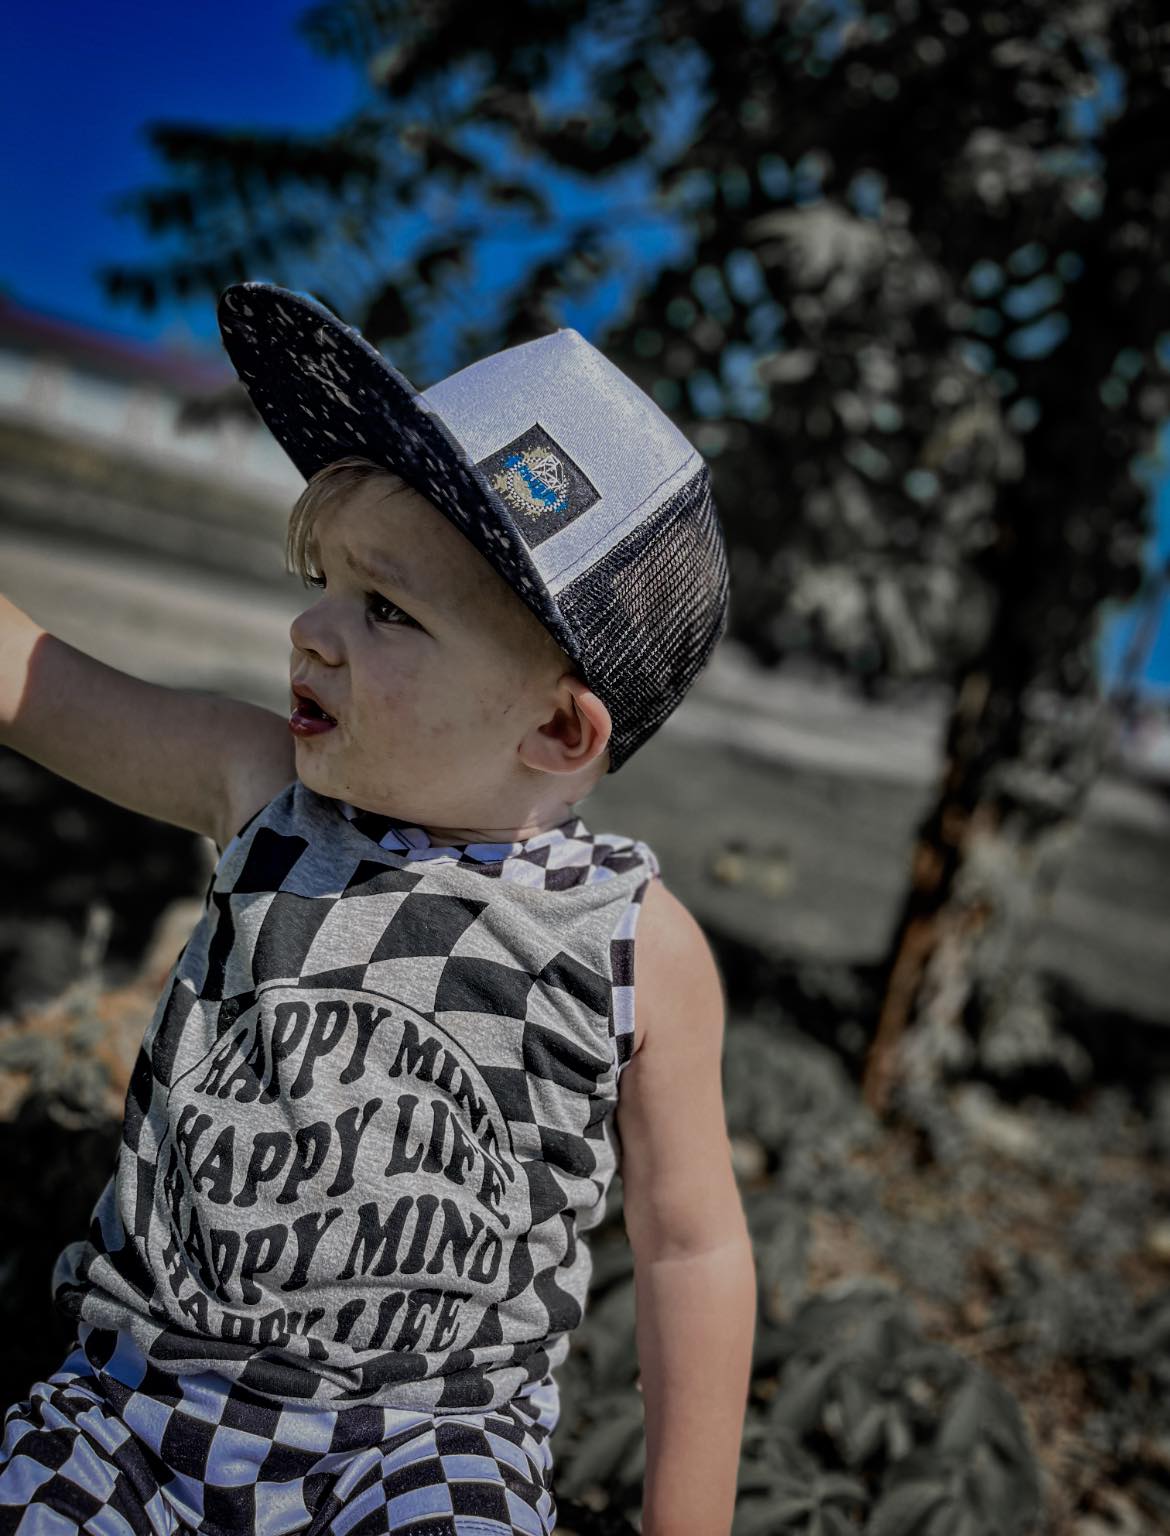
<point>534,482</point>
<point>540,483</point>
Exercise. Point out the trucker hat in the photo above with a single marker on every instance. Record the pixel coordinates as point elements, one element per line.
<point>566,476</point>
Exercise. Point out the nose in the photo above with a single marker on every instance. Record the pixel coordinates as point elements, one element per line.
<point>315,633</point>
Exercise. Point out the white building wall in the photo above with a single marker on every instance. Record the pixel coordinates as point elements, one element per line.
<point>57,395</point>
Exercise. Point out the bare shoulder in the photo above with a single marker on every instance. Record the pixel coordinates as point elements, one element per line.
<point>674,967</point>
<point>679,1189</point>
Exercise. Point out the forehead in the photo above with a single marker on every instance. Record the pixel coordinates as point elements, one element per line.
<point>387,527</point>
<point>392,531</point>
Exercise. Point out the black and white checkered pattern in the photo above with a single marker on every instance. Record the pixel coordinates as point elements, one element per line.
<point>355,1000</point>
<point>568,856</point>
<point>112,1446</point>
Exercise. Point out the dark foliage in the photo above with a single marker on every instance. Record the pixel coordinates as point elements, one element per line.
<point>101,874</point>
<point>53,1174</point>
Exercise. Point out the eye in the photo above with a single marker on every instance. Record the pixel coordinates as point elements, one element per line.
<point>393,614</point>
<point>377,600</point>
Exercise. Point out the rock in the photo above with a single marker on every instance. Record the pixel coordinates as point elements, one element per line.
<point>748,1157</point>
<point>1158,1241</point>
<point>994,1125</point>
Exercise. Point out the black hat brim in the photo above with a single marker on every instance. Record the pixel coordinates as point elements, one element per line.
<point>324,392</point>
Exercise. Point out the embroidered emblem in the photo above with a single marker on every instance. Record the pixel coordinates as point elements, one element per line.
<point>534,482</point>
<point>540,483</point>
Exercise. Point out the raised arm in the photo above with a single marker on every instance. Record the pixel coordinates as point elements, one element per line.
<point>194,759</point>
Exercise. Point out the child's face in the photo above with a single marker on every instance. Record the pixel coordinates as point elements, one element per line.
<point>434,675</point>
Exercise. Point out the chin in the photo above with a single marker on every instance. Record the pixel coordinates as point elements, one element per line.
<point>312,775</point>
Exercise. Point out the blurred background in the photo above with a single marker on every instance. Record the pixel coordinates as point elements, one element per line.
<point>900,272</point>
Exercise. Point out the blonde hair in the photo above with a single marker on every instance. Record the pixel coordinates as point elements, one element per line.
<point>324,487</point>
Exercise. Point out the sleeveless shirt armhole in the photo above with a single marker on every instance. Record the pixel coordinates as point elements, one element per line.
<point>621,1018</point>
<point>235,837</point>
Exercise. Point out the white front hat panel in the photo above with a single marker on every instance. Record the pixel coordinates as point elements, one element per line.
<point>558,399</point>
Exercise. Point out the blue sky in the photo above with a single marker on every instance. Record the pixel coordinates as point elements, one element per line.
<point>80,81</point>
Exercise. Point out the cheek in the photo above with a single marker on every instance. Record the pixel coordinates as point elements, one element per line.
<point>392,694</point>
<point>503,700</point>
<point>462,704</point>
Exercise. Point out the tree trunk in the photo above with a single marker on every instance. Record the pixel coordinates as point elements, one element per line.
<point>926,914</point>
<point>961,992</point>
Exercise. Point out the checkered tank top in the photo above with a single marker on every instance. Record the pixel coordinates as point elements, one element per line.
<point>372,1116</point>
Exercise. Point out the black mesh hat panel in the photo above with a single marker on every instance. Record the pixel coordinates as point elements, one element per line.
<point>564,475</point>
<point>650,612</point>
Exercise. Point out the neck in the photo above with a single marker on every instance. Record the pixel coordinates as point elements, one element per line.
<point>441,836</point>
<point>541,818</point>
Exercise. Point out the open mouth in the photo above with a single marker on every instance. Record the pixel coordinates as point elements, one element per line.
<point>308,718</point>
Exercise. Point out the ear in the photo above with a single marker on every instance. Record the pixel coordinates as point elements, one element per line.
<point>573,735</point>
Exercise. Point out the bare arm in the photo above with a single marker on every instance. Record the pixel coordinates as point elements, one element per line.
<point>694,1334</point>
<point>194,759</point>
<point>694,1272</point>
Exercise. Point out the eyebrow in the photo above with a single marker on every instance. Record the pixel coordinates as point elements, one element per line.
<point>389,572</point>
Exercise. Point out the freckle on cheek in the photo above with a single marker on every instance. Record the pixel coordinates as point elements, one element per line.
<point>436,731</point>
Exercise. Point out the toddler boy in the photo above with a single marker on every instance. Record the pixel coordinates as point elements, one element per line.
<point>377,1109</point>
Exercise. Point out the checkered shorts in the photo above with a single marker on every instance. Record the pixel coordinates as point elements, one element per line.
<point>113,1447</point>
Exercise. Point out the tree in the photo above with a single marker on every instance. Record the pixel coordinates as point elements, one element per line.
<point>918,326</point>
